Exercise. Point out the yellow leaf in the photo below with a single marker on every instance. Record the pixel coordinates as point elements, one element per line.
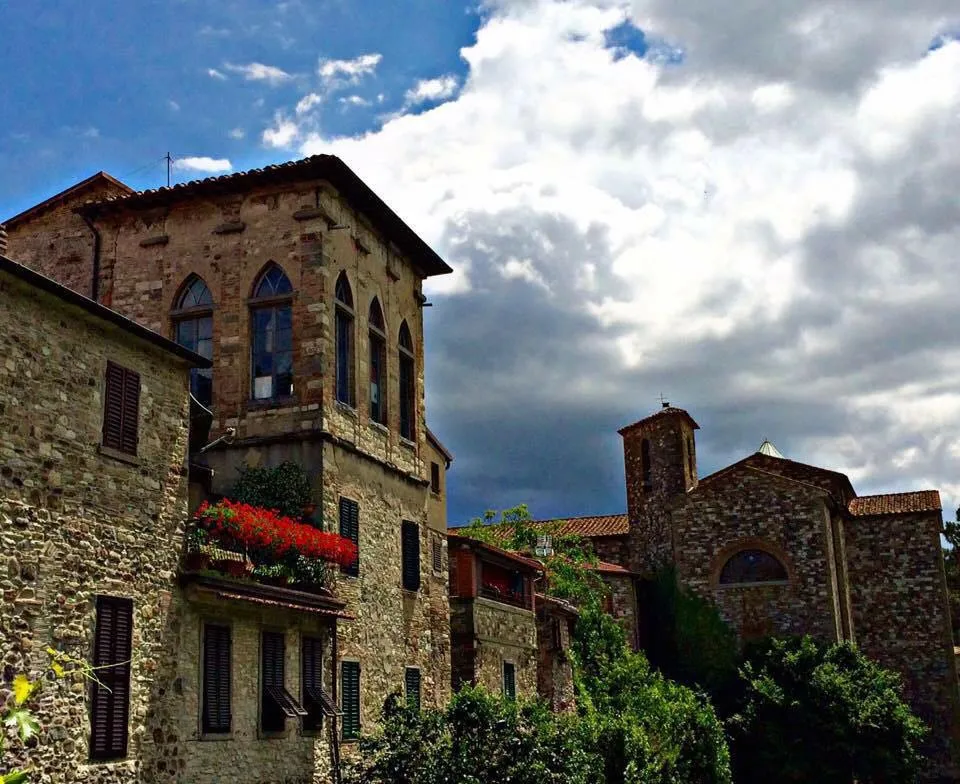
<point>58,670</point>
<point>22,689</point>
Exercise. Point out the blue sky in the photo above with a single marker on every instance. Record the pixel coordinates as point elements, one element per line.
<point>751,208</point>
<point>111,85</point>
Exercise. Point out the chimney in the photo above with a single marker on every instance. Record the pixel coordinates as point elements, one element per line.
<point>3,241</point>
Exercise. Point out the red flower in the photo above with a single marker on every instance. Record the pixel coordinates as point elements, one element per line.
<point>266,530</point>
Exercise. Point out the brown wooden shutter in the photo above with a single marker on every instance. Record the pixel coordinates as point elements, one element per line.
<point>113,407</point>
<point>121,409</point>
<point>311,655</point>
<point>437,554</point>
<point>131,411</point>
<point>271,675</point>
<point>110,698</point>
<point>410,553</point>
<point>216,679</point>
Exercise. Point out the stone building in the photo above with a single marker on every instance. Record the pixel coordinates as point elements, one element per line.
<point>93,505</point>
<point>786,548</point>
<point>305,291</point>
<point>493,623</point>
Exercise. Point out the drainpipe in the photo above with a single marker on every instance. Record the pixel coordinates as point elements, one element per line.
<point>95,283</point>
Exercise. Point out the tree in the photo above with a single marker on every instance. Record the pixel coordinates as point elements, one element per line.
<point>951,562</point>
<point>812,712</point>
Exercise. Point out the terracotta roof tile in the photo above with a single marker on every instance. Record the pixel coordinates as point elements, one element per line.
<point>895,503</point>
<point>610,568</point>
<point>476,544</point>
<point>590,526</point>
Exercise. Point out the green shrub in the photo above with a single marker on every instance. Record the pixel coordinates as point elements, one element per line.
<point>285,488</point>
<point>812,712</point>
<point>477,739</point>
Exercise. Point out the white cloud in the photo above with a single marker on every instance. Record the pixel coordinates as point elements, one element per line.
<point>283,133</point>
<point>772,239</point>
<point>173,106</point>
<point>307,103</point>
<point>203,164</point>
<point>339,72</point>
<point>236,133</point>
<point>213,73</point>
<point>258,72</point>
<point>439,89</point>
<point>354,100</point>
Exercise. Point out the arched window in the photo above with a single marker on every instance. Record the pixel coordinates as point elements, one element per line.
<point>193,328</point>
<point>408,385</point>
<point>271,318</point>
<point>343,316</point>
<point>691,458</point>
<point>378,364</point>
<point>645,464</point>
<point>752,566</point>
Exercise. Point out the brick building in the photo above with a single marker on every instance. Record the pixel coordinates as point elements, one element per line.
<point>304,290</point>
<point>786,548</point>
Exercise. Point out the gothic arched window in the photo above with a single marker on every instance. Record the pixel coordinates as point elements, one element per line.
<point>271,319</point>
<point>378,363</point>
<point>343,317</point>
<point>408,384</point>
<point>752,566</point>
<point>193,328</point>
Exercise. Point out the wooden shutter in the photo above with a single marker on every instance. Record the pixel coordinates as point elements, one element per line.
<point>410,551</point>
<point>131,412</point>
<point>216,679</point>
<point>411,681</point>
<point>509,681</point>
<point>121,409</point>
<point>437,554</point>
<point>311,663</point>
<point>110,698</point>
<point>350,698</point>
<point>350,528</point>
<point>272,716</point>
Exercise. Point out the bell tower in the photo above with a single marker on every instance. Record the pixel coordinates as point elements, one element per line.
<point>660,462</point>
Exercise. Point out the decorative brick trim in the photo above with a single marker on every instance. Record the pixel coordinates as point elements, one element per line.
<point>232,227</point>
<point>160,239</point>
<point>750,543</point>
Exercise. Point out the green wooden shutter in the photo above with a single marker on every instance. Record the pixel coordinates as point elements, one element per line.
<point>410,554</point>
<point>110,697</point>
<point>216,679</point>
<point>412,684</point>
<point>350,528</point>
<point>509,681</point>
<point>350,699</point>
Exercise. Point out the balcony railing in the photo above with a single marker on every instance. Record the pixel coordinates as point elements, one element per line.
<point>514,598</point>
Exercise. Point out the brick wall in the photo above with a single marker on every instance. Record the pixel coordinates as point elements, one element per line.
<point>900,615</point>
<point>753,510</point>
<point>77,523</point>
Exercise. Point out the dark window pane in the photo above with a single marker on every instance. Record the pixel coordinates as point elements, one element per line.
<point>201,385</point>
<point>344,336</point>
<point>407,414</point>
<point>187,333</point>
<point>752,566</point>
<point>343,293</point>
<point>378,408</point>
<point>272,283</point>
<point>376,315</point>
<point>195,295</point>
<point>204,328</point>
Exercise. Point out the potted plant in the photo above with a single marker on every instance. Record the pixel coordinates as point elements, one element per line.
<point>272,574</point>
<point>197,558</point>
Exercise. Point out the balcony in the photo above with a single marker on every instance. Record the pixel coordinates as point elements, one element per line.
<point>250,544</point>
<point>513,598</point>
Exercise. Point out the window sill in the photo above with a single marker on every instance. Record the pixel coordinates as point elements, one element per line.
<point>410,594</point>
<point>379,427</point>
<point>213,737</point>
<point>345,408</point>
<point>261,735</point>
<point>406,442</point>
<point>349,741</point>
<point>259,404</point>
<point>116,454</point>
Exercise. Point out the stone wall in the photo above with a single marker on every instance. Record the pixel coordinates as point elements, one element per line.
<point>651,541</point>
<point>57,243</point>
<point>505,634</point>
<point>749,509</point>
<point>76,523</point>
<point>245,754</point>
<point>392,628</point>
<point>901,617</point>
<point>623,605</point>
<point>554,669</point>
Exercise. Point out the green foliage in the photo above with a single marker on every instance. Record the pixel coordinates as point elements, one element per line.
<point>951,562</point>
<point>811,712</point>
<point>646,728</point>
<point>569,572</point>
<point>477,739</point>
<point>284,488</point>
<point>689,640</point>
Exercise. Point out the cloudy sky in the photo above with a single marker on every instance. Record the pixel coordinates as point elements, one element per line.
<point>752,208</point>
